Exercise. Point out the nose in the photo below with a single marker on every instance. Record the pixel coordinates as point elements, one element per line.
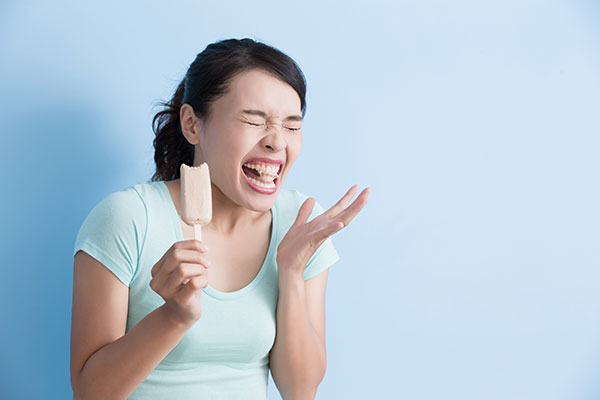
<point>274,138</point>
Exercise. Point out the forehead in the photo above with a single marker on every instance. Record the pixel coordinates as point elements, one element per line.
<point>256,89</point>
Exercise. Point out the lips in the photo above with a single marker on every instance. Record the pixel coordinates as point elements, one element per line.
<point>257,186</point>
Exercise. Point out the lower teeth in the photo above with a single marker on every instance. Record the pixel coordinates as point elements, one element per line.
<point>269,185</point>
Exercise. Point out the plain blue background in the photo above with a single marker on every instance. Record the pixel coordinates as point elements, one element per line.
<point>472,273</point>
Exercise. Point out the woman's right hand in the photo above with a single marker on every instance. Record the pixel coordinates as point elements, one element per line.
<point>179,277</point>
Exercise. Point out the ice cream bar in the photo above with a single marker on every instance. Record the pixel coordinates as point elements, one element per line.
<point>196,198</point>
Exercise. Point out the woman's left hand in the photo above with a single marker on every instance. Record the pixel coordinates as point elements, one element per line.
<point>303,239</point>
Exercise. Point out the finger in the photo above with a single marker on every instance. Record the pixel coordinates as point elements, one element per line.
<point>349,213</point>
<point>341,204</point>
<point>159,264</point>
<point>193,244</point>
<point>177,257</point>
<point>321,235</point>
<point>195,285</point>
<point>184,244</point>
<point>180,276</point>
<point>304,212</point>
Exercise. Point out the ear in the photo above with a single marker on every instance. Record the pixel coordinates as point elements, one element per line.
<point>190,124</point>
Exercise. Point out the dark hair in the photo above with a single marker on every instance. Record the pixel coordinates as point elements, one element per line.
<point>205,81</point>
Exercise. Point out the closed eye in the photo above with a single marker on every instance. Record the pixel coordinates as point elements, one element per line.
<point>287,127</point>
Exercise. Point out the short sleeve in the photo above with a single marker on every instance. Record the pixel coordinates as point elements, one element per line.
<point>325,256</point>
<point>113,233</point>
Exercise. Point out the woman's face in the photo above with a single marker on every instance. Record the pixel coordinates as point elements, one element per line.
<point>257,122</point>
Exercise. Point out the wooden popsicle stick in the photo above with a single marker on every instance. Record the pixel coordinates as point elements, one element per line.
<point>198,232</point>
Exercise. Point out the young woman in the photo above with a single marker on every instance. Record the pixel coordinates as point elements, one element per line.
<point>159,315</point>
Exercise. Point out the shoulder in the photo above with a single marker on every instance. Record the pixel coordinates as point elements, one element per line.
<point>126,202</point>
<point>134,199</point>
<point>118,210</point>
<point>290,198</point>
<point>120,218</point>
<point>114,231</point>
<point>289,203</point>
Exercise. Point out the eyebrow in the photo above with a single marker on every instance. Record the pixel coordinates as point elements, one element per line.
<point>264,115</point>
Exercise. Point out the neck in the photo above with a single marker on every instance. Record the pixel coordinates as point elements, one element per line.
<point>228,217</point>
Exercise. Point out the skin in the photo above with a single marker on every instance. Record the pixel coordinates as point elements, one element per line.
<point>106,362</point>
<point>226,138</point>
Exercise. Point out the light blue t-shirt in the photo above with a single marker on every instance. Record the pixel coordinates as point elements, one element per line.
<point>225,355</point>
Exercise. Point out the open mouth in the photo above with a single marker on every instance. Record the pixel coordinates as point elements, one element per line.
<point>262,176</point>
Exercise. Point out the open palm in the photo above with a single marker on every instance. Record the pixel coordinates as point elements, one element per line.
<point>303,239</point>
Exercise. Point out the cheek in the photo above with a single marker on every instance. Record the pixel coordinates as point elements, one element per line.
<point>230,150</point>
<point>294,147</point>
<point>293,151</point>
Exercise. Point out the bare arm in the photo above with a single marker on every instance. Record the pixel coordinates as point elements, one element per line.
<point>298,357</point>
<point>106,363</point>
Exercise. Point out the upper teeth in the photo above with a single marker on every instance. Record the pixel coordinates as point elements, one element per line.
<point>269,170</point>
